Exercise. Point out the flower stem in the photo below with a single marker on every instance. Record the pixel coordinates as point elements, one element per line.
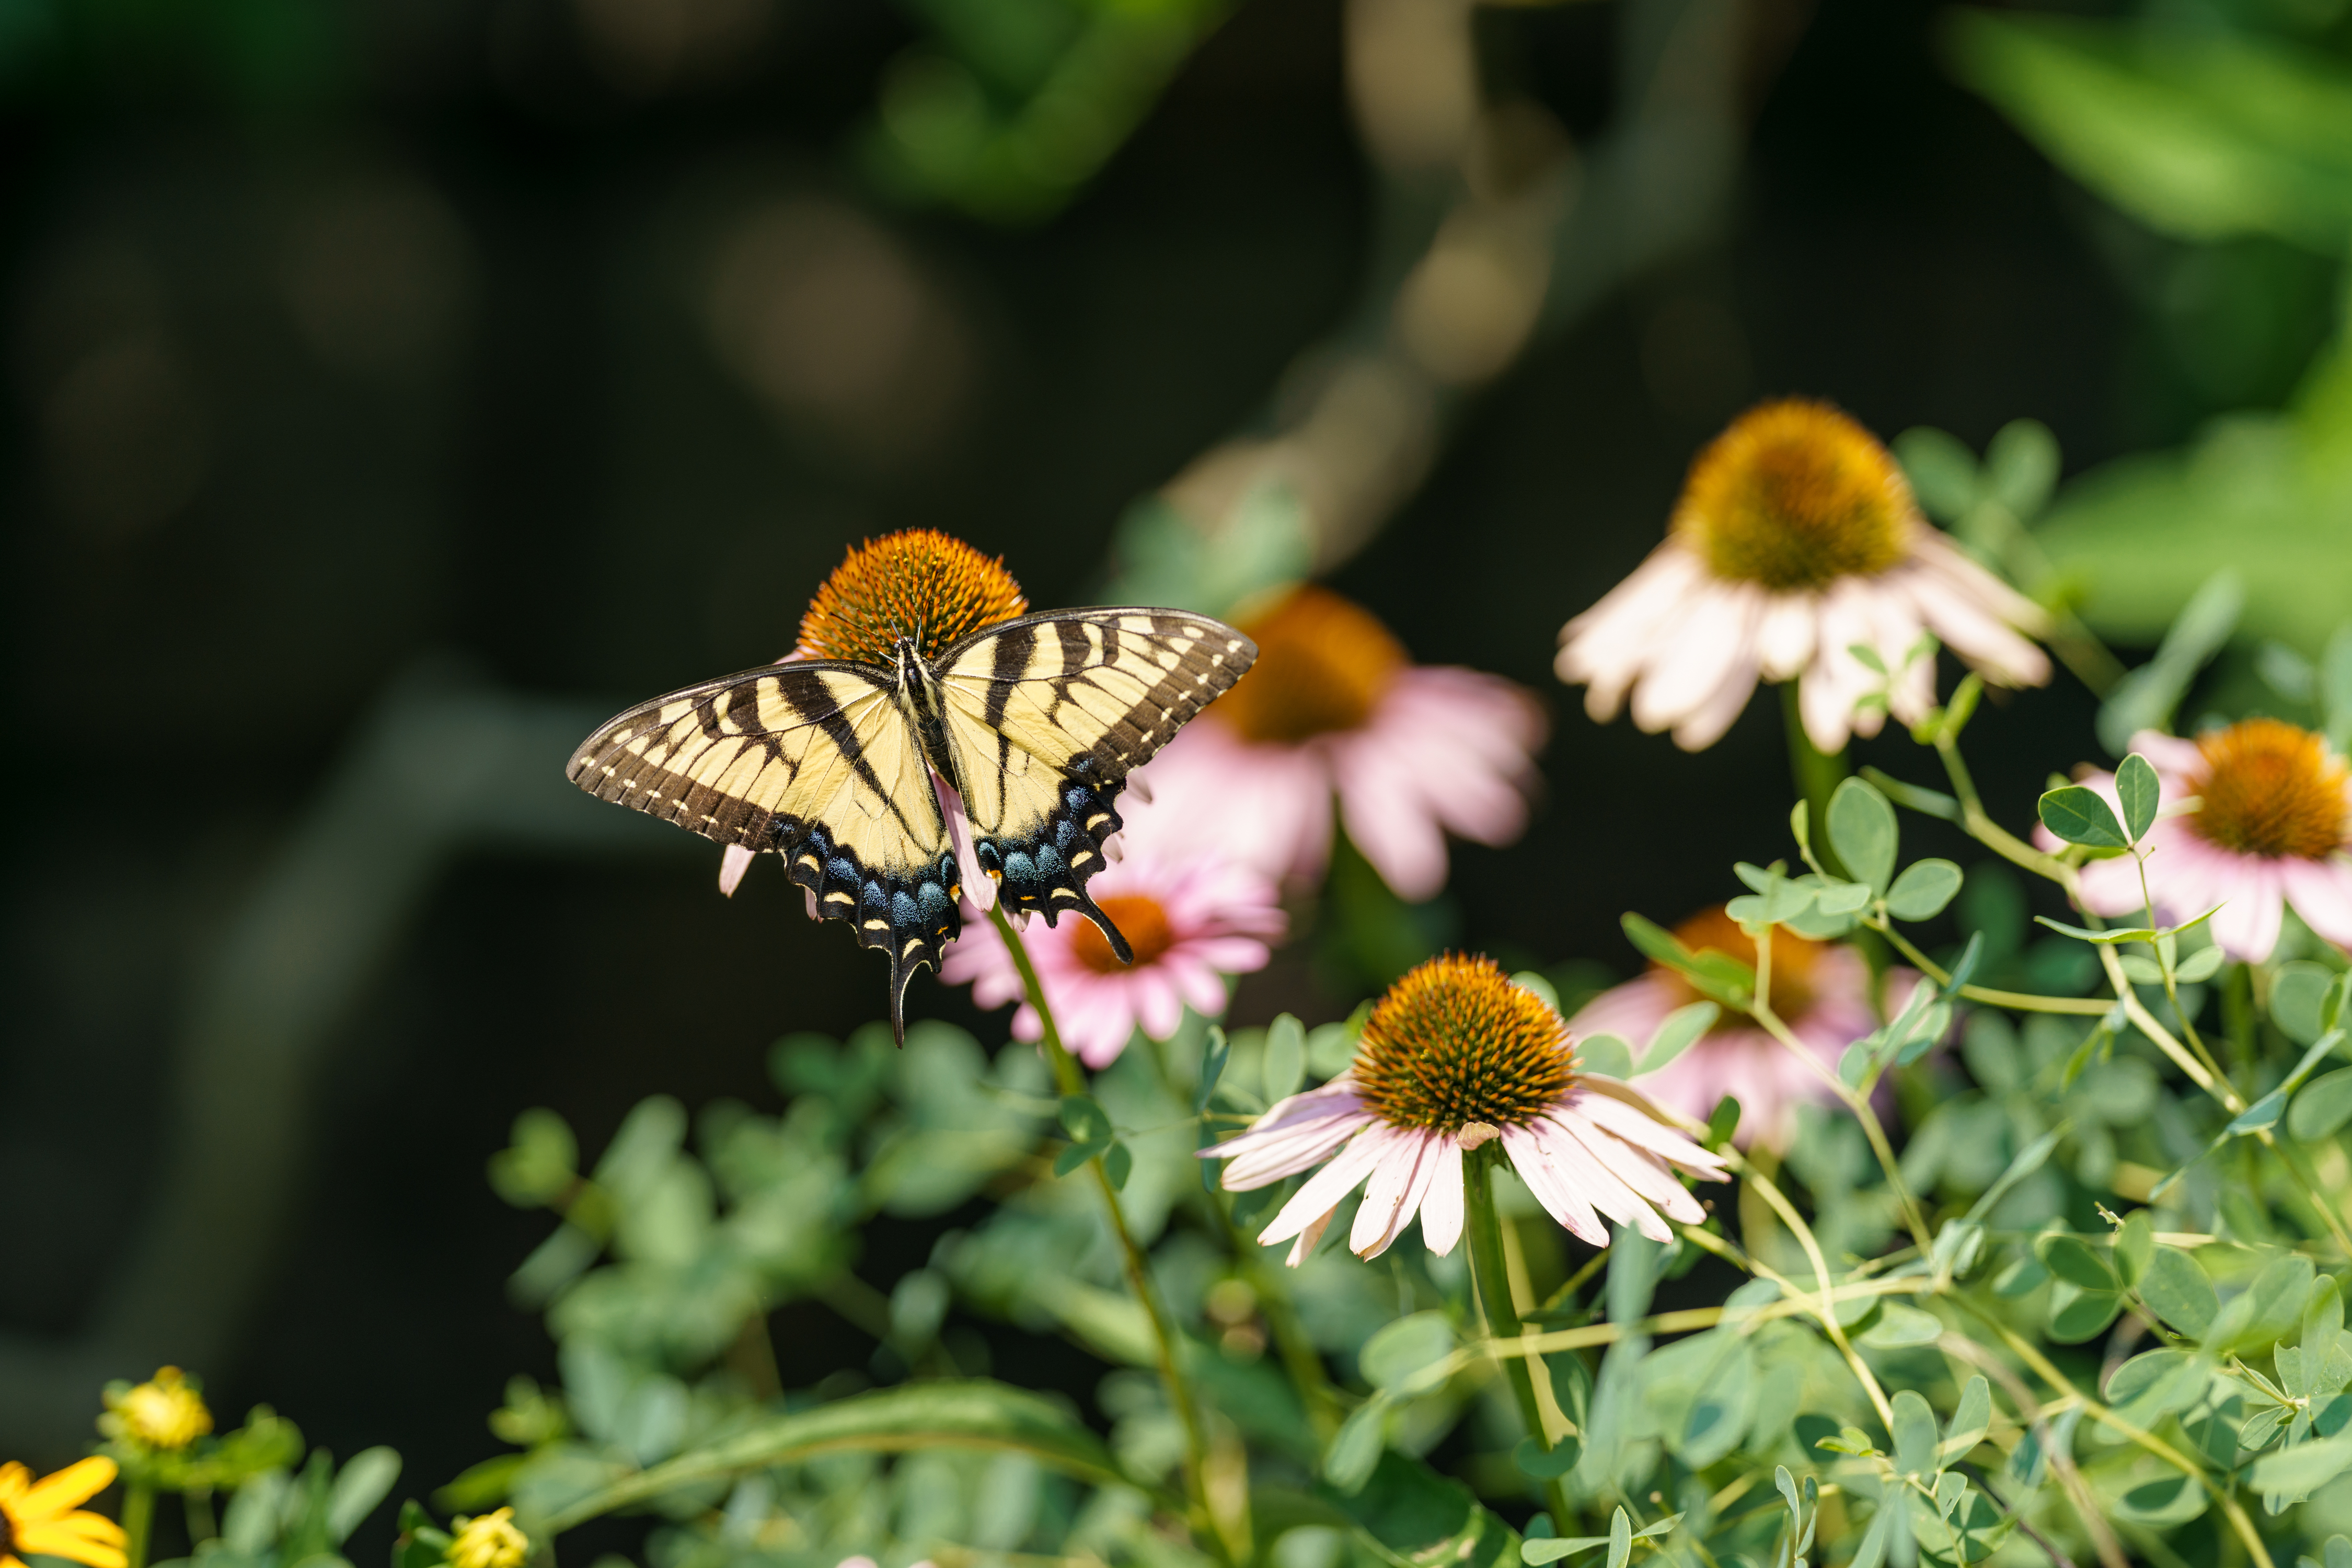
<point>1817,774</point>
<point>1071,1080</point>
<point>1482,1232</point>
<point>138,1517</point>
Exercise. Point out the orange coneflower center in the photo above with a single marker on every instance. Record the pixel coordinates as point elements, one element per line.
<point>920,584</point>
<point>1323,663</point>
<point>2270,788</point>
<point>1793,959</point>
<point>1456,1042</point>
<point>1140,919</point>
<point>1794,496</point>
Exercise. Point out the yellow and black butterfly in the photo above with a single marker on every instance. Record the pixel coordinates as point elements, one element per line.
<point>1035,722</point>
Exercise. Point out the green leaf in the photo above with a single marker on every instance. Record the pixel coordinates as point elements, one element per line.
<point>1356,1448</point>
<point>1405,1347</point>
<point>2323,1106</point>
<point>1712,973</point>
<point>1606,1055</point>
<point>2177,1290</point>
<point>1419,1519</point>
<point>363,1482</point>
<point>2262,1114</point>
<point>1084,1120</point>
<point>2081,815</point>
<point>1863,831</point>
<point>1620,1539</point>
<point>967,1413</point>
<point>2306,1467</point>
<point>2075,1261</point>
<point>1215,1053</point>
<point>1971,1419</point>
<point>2158,1384</point>
<point>1285,1057</point>
<point>1682,1029</point>
<point>2323,1317</point>
<point>2297,995</point>
<point>2198,132</point>
<point>2136,787</point>
<point>1331,1047</point>
<point>2135,1245</point>
<point>1547,1464</point>
<point>1899,1326</point>
<point>1914,1431</point>
<point>1118,1161</point>
<point>1942,471</point>
<point>2021,466</point>
<point>2077,1314</point>
<point>1923,889</point>
<point>2201,966</point>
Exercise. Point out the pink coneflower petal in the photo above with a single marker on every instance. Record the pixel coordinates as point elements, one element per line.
<point>2248,925</point>
<point>1393,1197</point>
<point>1309,1238</point>
<point>1614,1116</point>
<point>1324,1189</point>
<point>2321,892</point>
<point>1570,1199</point>
<point>1442,1210</point>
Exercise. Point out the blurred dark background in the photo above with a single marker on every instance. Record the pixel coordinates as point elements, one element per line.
<point>551,350</point>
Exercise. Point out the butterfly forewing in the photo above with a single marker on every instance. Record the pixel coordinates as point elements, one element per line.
<point>815,760</point>
<point>1045,717</point>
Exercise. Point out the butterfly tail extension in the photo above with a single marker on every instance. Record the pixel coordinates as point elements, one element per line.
<point>910,916</point>
<point>1045,872</point>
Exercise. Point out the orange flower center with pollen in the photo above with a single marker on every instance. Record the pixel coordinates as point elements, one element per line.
<point>1140,919</point>
<point>1323,663</point>
<point>1794,959</point>
<point>1456,1042</point>
<point>1794,496</point>
<point>2270,788</point>
<point>920,585</point>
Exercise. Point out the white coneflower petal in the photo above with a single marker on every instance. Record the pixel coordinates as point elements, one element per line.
<point>1453,1057</point>
<point>1796,540</point>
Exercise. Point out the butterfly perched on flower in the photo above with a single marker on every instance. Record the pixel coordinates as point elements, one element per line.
<point>917,676</point>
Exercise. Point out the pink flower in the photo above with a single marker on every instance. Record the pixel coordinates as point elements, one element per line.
<point>1454,1057</point>
<point>1820,990</point>
<point>1796,540</point>
<point>2270,829</point>
<point>1334,706</point>
<point>1191,919</point>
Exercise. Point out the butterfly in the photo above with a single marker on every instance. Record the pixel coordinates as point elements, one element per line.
<point>1034,723</point>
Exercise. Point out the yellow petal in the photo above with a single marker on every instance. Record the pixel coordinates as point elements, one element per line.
<point>14,1478</point>
<point>53,1541</point>
<point>89,1527</point>
<point>74,1485</point>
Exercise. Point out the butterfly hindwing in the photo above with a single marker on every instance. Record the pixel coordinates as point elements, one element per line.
<point>1045,716</point>
<point>817,762</point>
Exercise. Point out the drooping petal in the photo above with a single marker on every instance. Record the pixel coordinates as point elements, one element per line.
<point>1309,1238</point>
<point>1442,1210</point>
<point>1324,1189</point>
<point>1615,1116</point>
<point>1393,1197</point>
<point>1558,1196</point>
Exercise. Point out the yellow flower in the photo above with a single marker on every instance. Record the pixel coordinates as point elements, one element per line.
<point>40,1516</point>
<point>492,1541</point>
<point>162,1413</point>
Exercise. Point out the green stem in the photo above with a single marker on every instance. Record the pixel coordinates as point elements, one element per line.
<point>1071,1080</point>
<point>1482,1231</point>
<point>138,1517</point>
<point>1817,774</point>
<point>2018,1001</point>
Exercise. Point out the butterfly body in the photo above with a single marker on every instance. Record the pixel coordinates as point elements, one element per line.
<point>1034,723</point>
